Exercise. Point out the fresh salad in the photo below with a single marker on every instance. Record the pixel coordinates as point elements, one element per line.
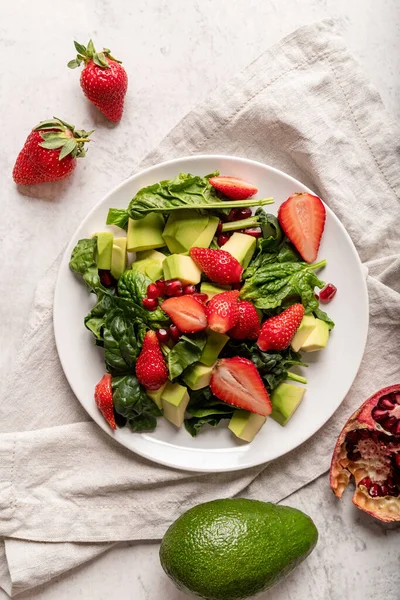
<point>205,302</point>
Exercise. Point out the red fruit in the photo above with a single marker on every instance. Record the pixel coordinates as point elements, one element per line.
<point>162,335</point>
<point>302,218</point>
<point>186,313</point>
<point>236,381</point>
<point>233,187</point>
<point>174,333</point>
<point>368,449</point>
<point>203,298</point>
<point>237,214</point>
<point>254,231</point>
<point>218,265</point>
<point>173,287</point>
<point>150,303</point>
<point>104,400</point>
<point>50,152</point>
<point>327,293</point>
<point>222,239</point>
<point>160,283</point>
<point>277,332</point>
<point>103,80</point>
<point>107,279</point>
<point>223,311</point>
<point>189,289</point>
<point>151,369</point>
<point>152,291</point>
<point>248,325</point>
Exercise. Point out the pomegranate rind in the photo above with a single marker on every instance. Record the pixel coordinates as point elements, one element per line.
<point>386,508</point>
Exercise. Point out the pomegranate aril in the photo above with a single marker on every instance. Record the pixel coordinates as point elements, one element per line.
<point>255,232</point>
<point>222,239</point>
<point>189,289</point>
<point>366,481</point>
<point>397,398</point>
<point>162,335</point>
<point>106,278</point>
<point>173,287</point>
<point>219,228</point>
<point>200,297</point>
<point>375,490</point>
<point>389,424</point>
<point>160,283</point>
<point>384,490</point>
<point>152,291</point>
<point>396,430</point>
<point>386,402</point>
<point>174,333</point>
<point>327,293</point>
<point>232,216</point>
<point>150,303</point>
<point>353,436</point>
<point>378,414</point>
<point>397,460</point>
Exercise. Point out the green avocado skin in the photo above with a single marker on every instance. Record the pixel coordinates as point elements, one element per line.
<point>235,548</point>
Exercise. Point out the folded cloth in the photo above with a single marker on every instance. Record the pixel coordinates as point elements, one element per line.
<point>67,490</point>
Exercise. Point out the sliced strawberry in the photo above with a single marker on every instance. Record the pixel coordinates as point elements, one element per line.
<point>223,311</point>
<point>104,400</point>
<point>233,187</point>
<point>277,332</point>
<point>236,381</point>
<point>248,325</point>
<point>302,218</point>
<point>151,369</point>
<point>186,313</point>
<point>219,266</point>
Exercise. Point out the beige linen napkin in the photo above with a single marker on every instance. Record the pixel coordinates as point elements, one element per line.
<point>303,107</point>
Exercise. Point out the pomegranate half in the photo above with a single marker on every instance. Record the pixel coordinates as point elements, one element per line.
<point>368,448</point>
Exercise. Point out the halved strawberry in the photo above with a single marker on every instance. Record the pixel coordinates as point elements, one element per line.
<point>104,400</point>
<point>223,311</point>
<point>236,381</point>
<point>277,332</point>
<point>302,218</point>
<point>248,325</point>
<point>186,313</point>
<point>219,266</point>
<point>233,187</point>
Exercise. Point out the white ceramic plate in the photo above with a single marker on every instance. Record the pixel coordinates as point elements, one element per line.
<point>330,372</point>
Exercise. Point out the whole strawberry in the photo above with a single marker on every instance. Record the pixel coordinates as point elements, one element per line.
<point>104,400</point>
<point>219,266</point>
<point>50,152</point>
<point>248,325</point>
<point>103,80</point>
<point>223,311</point>
<point>277,332</point>
<point>151,369</point>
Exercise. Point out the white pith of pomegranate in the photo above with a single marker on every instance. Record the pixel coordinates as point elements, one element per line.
<point>368,448</point>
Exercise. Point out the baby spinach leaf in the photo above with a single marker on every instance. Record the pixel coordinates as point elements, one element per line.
<point>132,285</point>
<point>132,403</point>
<point>186,352</point>
<point>118,217</point>
<point>83,261</point>
<point>205,409</point>
<point>194,424</point>
<point>272,232</point>
<point>321,314</point>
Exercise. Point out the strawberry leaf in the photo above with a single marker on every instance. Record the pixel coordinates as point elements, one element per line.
<point>80,48</point>
<point>74,63</point>
<point>52,144</point>
<point>68,147</point>
<point>90,50</point>
<point>99,59</point>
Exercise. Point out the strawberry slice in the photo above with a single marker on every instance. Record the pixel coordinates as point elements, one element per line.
<point>186,313</point>
<point>104,400</point>
<point>277,332</point>
<point>223,311</point>
<point>151,369</point>
<point>302,218</point>
<point>219,266</point>
<point>233,187</point>
<point>236,381</point>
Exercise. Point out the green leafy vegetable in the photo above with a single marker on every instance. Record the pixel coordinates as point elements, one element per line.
<point>321,314</point>
<point>118,217</point>
<point>132,403</point>
<point>272,232</point>
<point>205,409</point>
<point>84,261</point>
<point>132,285</point>
<point>186,352</point>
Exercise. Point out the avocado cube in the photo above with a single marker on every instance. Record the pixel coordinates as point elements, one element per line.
<point>182,229</point>
<point>212,290</point>
<point>178,266</point>
<point>206,236</point>
<point>245,425</point>
<point>285,400</point>
<point>155,395</point>
<point>174,399</point>
<point>149,262</point>
<point>214,344</point>
<point>119,258</point>
<point>146,233</point>
<point>306,327</point>
<point>197,376</point>
<point>242,247</point>
<point>318,338</point>
<point>104,249</point>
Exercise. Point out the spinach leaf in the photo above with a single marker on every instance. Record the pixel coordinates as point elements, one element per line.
<point>205,409</point>
<point>321,314</point>
<point>132,285</point>
<point>194,424</point>
<point>118,217</point>
<point>83,261</point>
<point>186,352</point>
<point>132,403</point>
<point>272,232</point>
<point>266,256</point>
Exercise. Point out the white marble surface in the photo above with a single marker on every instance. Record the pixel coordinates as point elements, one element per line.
<point>175,52</point>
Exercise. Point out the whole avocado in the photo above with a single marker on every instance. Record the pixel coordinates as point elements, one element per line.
<point>235,548</point>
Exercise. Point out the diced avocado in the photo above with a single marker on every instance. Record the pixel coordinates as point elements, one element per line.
<point>182,229</point>
<point>212,290</point>
<point>150,263</point>
<point>318,338</point>
<point>104,249</point>
<point>214,344</point>
<point>206,236</point>
<point>197,376</point>
<point>118,259</point>
<point>306,326</point>
<point>241,246</point>
<point>174,399</point>
<point>285,399</point>
<point>150,255</point>
<point>245,425</point>
<point>146,233</point>
<point>178,266</point>
<point>155,395</point>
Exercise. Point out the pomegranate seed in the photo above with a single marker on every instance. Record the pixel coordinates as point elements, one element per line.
<point>174,333</point>
<point>173,287</point>
<point>379,414</point>
<point>254,232</point>
<point>366,481</point>
<point>189,289</point>
<point>375,490</point>
<point>162,335</point>
<point>397,459</point>
<point>150,303</point>
<point>202,298</point>
<point>232,216</point>
<point>384,490</point>
<point>152,291</point>
<point>354,456</point>
<point>243,213</point>
<point>396,431</point>
<point>386,402</point>
<point>316,296</point>
<point>327,293</point>
<point>389,424</point>
<point>106,278</point>
<point>222,239</point>
<point>160,283</point>
<point>219,228</point>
